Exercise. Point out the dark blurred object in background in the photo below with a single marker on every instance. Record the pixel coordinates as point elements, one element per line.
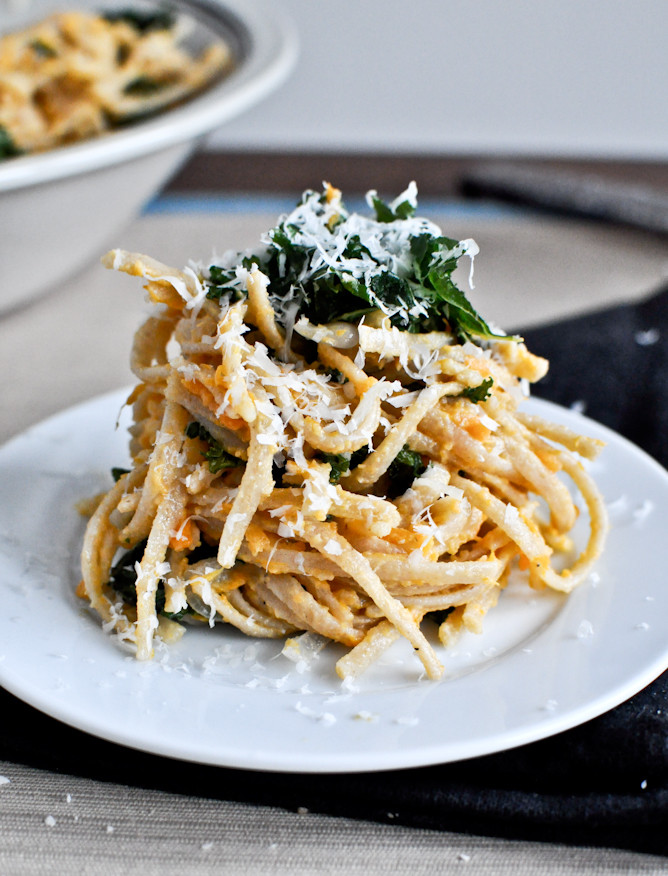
<point>570,193</point>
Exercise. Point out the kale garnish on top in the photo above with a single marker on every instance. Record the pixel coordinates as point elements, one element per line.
<point>8,148</point>
<point>328,265</point>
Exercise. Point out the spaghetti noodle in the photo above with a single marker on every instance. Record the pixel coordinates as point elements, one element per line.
<point>326,439</point>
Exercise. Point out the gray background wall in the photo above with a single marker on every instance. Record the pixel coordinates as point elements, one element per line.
<point>549,77</point>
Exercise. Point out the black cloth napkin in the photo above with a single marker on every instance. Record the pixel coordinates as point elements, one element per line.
<point>603,783</point>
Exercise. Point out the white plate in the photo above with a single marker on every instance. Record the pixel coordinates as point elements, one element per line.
<point>544,663</point>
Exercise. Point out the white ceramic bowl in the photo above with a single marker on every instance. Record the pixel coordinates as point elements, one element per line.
<point>60,209</point>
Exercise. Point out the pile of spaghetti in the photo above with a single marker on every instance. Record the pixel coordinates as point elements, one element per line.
<point>78,74</point>
<point>327,441</point>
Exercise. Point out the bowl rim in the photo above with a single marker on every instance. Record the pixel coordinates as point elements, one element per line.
<point>268,48</point>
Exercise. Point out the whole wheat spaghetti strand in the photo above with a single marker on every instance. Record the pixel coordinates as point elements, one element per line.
<point>335,548</point>
<point>544,483</point>
<point>598,526</point>
<point>307,613</point>
<point>506,517</point>
<point>246,602</point>
<point>375,643</point>
<point>332,358</point>
<point>148,358</point>
<point>262,314</point>
<point>101,544</point>
<point>249,622</point>
<point>380,460</point>
<point>256,483</point>
<point>587,447</point>
<point>168,514</point>
<point>163,469</point>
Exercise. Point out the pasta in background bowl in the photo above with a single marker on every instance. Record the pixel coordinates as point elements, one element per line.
<point>78,74</point>
<point>67,187</point>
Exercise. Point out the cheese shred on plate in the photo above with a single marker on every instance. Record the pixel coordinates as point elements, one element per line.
<point>327,442</point>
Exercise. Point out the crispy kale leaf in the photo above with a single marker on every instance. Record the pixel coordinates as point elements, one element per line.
<point>339,465</point>
<point>404,468</point>
<point>8,148</point>
<point>217,457</point>
<point>388,213</point>
<point>342,463</point>
<point>123,579</point>
<point>479,393</point>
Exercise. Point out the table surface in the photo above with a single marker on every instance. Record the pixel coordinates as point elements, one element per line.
<point>73,344</point>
